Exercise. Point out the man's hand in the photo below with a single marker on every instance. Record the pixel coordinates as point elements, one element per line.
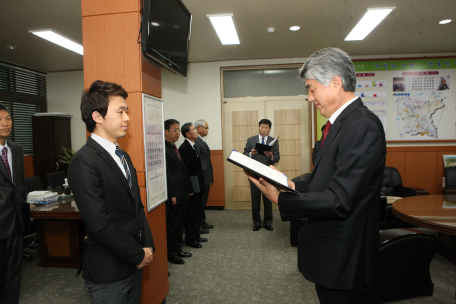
<point>148,256</point>
<point>253,152</point>
<point>268,153</point>
<point>174,201</point>
<point>290,183</point>
<point>271,192</point>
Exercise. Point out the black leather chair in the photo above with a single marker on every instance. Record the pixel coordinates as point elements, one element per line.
<point>31,184</point>
<point>55,179</point>
<point>450,181</point>
<point>405,257</point>
<point>296,224</point>
<point>392,186</point>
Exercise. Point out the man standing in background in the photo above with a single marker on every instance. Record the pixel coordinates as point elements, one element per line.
<point>106,191</point>
<point>195,181</point>
<point>269,158</point>
<point>12,196</point>
<point>202,129</point>
<point>176,206</point>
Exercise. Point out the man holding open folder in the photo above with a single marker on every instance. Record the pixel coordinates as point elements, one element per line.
<point>268,158</point>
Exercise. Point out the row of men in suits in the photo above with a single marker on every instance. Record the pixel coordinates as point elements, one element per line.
<point>189,176</point>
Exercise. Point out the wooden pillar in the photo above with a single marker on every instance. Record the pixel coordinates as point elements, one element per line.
<point>111,53</point>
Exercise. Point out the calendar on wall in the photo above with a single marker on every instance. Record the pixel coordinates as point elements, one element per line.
<point>154,151</point>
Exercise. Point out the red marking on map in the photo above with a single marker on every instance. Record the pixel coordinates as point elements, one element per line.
<point>419,73</point>
<point>365,74</point>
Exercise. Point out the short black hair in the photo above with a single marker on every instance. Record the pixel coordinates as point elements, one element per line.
<point>186,128</point>
<point>97,98</point>
<point>3,108</point>
<point>265,121</point>
<point>170,122</point>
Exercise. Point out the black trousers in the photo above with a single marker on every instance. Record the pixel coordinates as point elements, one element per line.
<point>361,295</point>
<point>174,224</point>
<point>256,205</point>
<point>203,205</point>
<point>11,266</point>
<point>193,218</point>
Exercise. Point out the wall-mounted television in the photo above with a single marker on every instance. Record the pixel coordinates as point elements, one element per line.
<point>165,34</point>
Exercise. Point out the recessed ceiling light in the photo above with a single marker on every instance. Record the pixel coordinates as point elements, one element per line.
<point>224,27</point>
<point>295,28</point>
<point>59,39</point>
<point>370,20</point>
<point>154,23</point>
<point>11,47</point>
<point>445,21</point>
<point>271,30</point>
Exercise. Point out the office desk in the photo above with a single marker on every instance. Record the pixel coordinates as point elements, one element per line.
<point>60,231</point>
<point>435,212</point>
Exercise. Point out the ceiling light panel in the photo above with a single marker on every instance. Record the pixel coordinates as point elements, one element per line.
<point>370,20</point>
<point>59,40</point>
<point>445,21</point>
<point>224,27</point>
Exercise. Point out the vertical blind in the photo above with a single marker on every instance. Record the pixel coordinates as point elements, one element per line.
<point>23,92</point>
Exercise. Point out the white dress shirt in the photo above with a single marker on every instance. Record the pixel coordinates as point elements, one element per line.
<point>111,149</point>
<point>9,155</point>
<point>333,117</point>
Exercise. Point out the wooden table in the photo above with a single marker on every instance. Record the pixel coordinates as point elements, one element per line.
<point>60,231</point>
<point>435,212</point>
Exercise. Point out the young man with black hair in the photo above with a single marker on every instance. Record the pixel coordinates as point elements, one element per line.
<point>105,187</point>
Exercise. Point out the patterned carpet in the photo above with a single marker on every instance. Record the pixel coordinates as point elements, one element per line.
<point>236,265</point>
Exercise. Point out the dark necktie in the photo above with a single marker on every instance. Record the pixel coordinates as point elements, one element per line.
<point>177,151</point>
<point>5,160</point>
<point>119,153</point>
<point>196,151</point>
<point>325,132</point>
<point>262,140</point>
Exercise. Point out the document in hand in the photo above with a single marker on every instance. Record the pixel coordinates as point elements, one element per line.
<point>261,148</point>
<point>258,170</point>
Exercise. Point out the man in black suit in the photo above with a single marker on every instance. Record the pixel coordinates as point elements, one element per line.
<point>202,128</point>
<point>12,196</point>
<point>268,159</point>
<point>105,188</point>
<point>177,194</point>
<point>339,248</point>
<point>195,181</point>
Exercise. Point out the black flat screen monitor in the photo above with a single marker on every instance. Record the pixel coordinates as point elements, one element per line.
<point>165,35</point>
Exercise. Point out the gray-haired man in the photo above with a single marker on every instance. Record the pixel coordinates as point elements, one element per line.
<point>202,128</point>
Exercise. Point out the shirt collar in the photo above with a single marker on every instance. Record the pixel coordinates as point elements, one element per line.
<point>6,145</point>
<point>106,144</point>
<point>265,138</point>
<point>333,117</point>
<point>200,137</point>
<point>191,142</point>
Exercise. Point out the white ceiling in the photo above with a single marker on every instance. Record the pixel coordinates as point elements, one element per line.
<point>411,28</point>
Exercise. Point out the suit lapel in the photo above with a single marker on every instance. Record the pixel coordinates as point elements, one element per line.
<point>110,162</point>
<point>335,128</point>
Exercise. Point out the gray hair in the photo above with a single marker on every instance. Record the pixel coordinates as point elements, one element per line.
<point>199,123</point>
<point>325,64</point>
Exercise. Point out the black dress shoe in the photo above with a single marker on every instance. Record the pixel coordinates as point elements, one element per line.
<point>201,240</point>
<point>207,226</point>
<point>268,227</point>
<point>194,244</point>
<point>183,254</point>
<point>204,231</point>
<point>176,260</point>
<point>256,227</point>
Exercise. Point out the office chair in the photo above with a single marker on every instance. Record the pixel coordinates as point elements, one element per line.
<point>450,181</point>
<point>31,184</point>
<point>55,179</point>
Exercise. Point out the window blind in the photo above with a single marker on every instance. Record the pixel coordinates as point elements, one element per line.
<point>23,92</point>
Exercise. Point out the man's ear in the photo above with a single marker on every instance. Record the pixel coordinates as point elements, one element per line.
<point>96,116</point>
<point>336,82</point>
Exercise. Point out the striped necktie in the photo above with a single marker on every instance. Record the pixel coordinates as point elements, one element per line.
<point>262,140</point>
<point>5,160</point>
<point>194,148</point>
<point>121,155</point>
<point>325,132</point>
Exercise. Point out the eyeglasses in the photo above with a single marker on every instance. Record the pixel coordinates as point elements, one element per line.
<point>175,130</point>
<point>207,128</point>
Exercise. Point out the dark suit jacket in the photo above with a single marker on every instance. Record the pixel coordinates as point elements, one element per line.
<point>192,166</point>
<point>339,250</point>
<point>175,176</point>
<point>12,196</point>
<point>252,141</point>
<point>112,215</point>
<point>205,155</point>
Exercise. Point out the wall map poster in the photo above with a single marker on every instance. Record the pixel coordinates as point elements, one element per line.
<point>414,98</point>
<point>154,151</point>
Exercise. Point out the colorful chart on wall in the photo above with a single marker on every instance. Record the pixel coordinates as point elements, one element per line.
<point>154,151</point>
<point>415,99</point>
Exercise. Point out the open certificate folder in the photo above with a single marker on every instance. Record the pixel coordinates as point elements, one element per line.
<point>262,147</point>
<point>258,170</point>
